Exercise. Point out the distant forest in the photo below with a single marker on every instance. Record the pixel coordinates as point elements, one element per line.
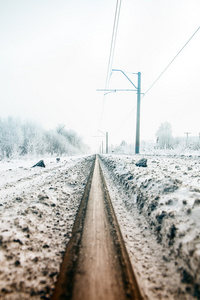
<point>27,138</point>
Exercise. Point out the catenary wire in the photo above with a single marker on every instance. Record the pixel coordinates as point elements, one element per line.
<point>113,43</point>
<point>112,50</point>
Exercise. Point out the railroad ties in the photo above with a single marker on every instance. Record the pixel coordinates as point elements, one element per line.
<point>96,264</point>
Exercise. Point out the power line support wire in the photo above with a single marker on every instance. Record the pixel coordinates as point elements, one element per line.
<point>171,62</point>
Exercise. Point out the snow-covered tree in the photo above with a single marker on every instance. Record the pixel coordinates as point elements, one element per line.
<point>164,136</point>
<point>28,138</point>
<point>55,143</point>
<point>32,139</point>
<point>10,136</point>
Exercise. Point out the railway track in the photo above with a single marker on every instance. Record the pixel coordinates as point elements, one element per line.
<point>96,264</point>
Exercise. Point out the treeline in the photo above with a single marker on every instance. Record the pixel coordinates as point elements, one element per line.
<point>164,140</point>
<point>27,138</point>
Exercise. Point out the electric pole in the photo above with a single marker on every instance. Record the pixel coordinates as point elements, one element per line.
<point>106,135</point>
<point>138,90</point>
<point>137,139</point>
<point>106,142</point>
<point>187,133</point>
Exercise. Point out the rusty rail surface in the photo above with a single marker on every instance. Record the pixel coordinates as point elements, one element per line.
<point>71,271</point>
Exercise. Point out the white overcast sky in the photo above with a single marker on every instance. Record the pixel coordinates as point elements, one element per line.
<point>54,56</point>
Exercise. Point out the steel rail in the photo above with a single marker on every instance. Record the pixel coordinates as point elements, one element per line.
<point>67,283</point>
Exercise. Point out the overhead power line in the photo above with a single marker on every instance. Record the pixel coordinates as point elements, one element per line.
<point>171,62</point>
<point>113,42</point>
<point>112,50</point>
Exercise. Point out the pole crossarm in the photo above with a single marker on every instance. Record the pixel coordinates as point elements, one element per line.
<point>102,132</point>
<point>98,136</point>
<point>116,90</point>
<point>118,70</point>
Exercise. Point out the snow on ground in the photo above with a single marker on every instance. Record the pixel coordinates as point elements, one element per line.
<point>37,211</point>
<point>158,209</point>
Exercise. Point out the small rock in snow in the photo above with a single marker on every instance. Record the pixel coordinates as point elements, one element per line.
<point>42,197</point>
<point>141,163</point>
<point>39,164</point>
<point>196,202</point>
<point>18,199</point>
<point>17,263</point>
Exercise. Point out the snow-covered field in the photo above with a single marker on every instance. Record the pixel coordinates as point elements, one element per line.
<point>158,209</point>
<point>37,211</point>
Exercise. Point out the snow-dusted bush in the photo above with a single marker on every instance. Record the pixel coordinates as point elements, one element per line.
<point>70,135</point>
<point>56,143</point>
<point>123,148</point>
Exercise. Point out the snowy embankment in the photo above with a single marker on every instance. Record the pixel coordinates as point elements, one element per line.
<point>167,194</point>
<point>38,207</point>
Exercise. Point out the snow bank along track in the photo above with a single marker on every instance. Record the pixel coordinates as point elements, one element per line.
<point>96,264</point>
